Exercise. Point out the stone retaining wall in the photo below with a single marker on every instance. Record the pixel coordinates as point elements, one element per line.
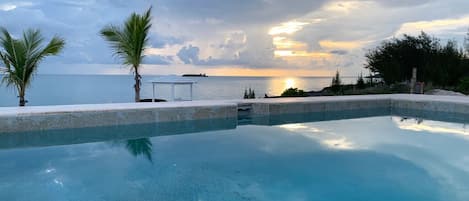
<point>82,116</point>
<point>14,119</point>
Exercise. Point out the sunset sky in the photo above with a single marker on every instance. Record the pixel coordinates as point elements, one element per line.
<point>235,37</point>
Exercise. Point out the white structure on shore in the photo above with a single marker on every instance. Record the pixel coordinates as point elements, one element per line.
<point>173,81</point>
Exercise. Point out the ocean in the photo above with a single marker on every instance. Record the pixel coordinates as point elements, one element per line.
<point>89,89</point>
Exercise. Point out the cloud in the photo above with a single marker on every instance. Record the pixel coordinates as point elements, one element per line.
<point>403,3</point>
<point>249,49</point>
<point>189,55</point>
<point>235,40</point>
<point>339,52</point>
<point>158,60</point>
<point>441,26</point>
<point>9,6</point>
<point>160,41</point>
<point>240,11</point>
<point>287,28</point>
<point>249,34</point>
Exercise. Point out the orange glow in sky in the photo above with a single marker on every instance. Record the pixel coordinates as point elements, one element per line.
<point>233,71</point>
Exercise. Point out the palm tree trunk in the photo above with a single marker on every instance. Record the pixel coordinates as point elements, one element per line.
<point>22,101</point>
<point>137,84</point>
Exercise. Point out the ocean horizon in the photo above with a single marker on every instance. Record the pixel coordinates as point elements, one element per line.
<point>66,89</point>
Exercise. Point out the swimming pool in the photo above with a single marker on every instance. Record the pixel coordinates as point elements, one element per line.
<point>380,157</point>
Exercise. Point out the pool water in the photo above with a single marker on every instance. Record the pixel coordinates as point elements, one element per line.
<point>383,158</point>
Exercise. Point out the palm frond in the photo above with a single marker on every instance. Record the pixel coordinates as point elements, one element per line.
<point>129,41</point>
<point>139,147</point>
<point>22,56</point>
<point>11,56</point>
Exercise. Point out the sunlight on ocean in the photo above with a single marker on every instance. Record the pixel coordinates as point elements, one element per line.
<point>88,89</point>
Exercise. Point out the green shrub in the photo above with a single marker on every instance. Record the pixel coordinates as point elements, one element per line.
<point>336,85</point>
<point>370,80</point>
<point>463,86</point>
<point>441,63</point>
<point>294,92</point>
<point>361,82</point>
<point>249,94</point>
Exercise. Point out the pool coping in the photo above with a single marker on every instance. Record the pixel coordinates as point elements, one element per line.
<point>19,119</point>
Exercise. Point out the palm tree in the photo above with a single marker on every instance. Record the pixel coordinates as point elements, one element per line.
<point>129,43</point>
<point>21,57</point>
<point>139,147</point>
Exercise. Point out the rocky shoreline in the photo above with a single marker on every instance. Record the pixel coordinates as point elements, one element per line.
<point>378,89</point>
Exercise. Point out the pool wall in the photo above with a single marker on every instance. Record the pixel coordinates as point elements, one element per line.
<point>15,119</point>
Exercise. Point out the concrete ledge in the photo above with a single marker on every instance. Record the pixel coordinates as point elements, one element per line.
<point>298,110</point>
<point>15,119</point>
<point>81,116</point>
<point>278,106</point>
<point>448,104</point>
<point>265,107</point>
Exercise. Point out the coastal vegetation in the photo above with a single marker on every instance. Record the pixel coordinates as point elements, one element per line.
<point>439,65</point>
<point>195,75</point>
<point>463,86</point>
<point>436,63</point>
<point>294,92</point>
<point>249,94</point>
<point>466,43</point>
<point>363,86</point>
<point>129,43</point>
<point>336,85</point>
<point>21,58</point>
<point>361,82</point>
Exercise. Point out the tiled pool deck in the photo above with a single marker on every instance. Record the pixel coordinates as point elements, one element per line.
<point>15,119</point>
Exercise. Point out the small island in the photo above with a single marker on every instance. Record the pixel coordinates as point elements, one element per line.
<point>195,75</point>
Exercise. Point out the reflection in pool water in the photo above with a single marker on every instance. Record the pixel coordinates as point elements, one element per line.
<point>139,147</point>
<point>358,159</point>
<point>421,125</point>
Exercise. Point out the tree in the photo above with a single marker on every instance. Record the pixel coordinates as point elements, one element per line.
<point>129,43</point>
<point>336,84</point>
<point>252,94</point>
<point>370,81</point>
<point>249,94</point>
<point>361,82</point>
<point>336,81</point>
<point>466,43</point>
<point>294,92</point>
<point>22,57</point>
<point>439,64</point>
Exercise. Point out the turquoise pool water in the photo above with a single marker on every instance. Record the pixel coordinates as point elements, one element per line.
<point>382,158</point>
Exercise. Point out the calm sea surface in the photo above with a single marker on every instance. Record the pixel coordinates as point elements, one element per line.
<point>84,89</point>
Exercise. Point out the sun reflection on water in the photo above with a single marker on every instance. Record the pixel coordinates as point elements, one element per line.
<point>430,126</point>
<point>276,85</point>
<point>289,83</point>
<point>279,84</point>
